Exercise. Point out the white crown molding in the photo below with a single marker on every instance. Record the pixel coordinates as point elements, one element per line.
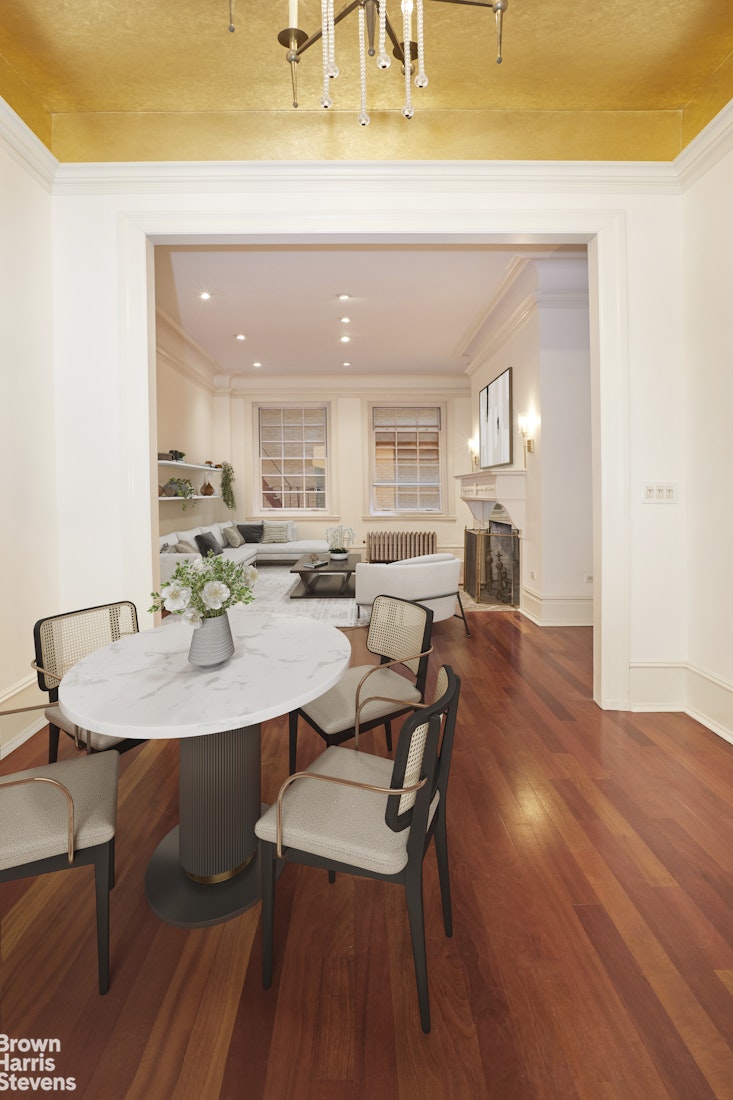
<point>499,336</point>
<point>25,148</point>
<point>412,177</point>
<point>186,370</point>
<point>558,300</point>
<point>707,149</point>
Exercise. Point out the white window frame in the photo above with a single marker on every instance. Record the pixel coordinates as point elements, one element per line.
<point>442,458</point>
<point>260,509</point>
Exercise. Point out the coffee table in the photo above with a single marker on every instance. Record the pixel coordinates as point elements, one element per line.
<point>332,581</point>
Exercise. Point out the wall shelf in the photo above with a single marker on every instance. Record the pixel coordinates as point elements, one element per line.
<point>170,463</point>
<point>196,496</point>
<point>188,465</point>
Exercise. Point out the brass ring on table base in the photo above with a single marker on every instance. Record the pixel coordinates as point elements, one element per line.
<point>223,876</point>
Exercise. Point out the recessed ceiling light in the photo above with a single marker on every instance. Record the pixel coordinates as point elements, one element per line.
<point>344,297</point>
<point>345,339</point>
<point>346,364</point>
<point>257,364</point>
<point>345,320</point>
<point>240,336</point>
<point>204,295</point>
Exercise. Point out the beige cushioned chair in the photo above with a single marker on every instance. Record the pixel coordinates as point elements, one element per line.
<point>341,814</point>
<point>399,634</point>
<point>431,579</point>
<point>61,641</point>
<point>62,815</point>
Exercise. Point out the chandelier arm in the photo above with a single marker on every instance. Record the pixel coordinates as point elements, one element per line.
<point>316,36</point>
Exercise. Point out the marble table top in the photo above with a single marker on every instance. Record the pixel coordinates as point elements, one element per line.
<point>143,685</point>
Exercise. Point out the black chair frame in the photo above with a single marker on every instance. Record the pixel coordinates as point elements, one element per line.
<point>438,752</point>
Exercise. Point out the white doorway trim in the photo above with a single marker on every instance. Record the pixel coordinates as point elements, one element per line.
<point>297,212</point>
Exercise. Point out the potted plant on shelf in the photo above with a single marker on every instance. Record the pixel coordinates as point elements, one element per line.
<point>227,481</point>
<point>339,540</point>
<point>180,487</point>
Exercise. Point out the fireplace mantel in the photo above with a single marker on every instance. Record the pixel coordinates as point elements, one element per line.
<point>482,490</point>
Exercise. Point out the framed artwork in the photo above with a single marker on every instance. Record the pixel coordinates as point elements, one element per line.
<point>495,421</point>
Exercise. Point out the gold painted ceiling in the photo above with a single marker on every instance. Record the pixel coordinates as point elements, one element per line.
<point>122,80</point>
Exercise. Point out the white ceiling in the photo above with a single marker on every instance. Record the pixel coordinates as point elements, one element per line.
<point>413,309</point>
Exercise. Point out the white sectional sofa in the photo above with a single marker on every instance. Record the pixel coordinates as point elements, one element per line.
<point>265,549</point>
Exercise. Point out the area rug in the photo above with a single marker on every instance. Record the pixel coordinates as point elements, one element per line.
<point>275,582</point>
<point>272,593</point>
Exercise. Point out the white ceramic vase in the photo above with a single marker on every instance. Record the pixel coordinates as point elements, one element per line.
<point>211,643</point>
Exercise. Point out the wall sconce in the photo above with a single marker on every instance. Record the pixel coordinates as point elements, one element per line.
<point>526,425</point>
<point>473,451</point>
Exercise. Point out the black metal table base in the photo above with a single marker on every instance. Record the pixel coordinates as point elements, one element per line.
<point>178,900</point>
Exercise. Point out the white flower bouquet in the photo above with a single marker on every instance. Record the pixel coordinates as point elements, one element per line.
<point>340,538</point>
<point>205,588</point>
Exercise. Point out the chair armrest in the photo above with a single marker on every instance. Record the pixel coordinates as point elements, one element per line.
<point>63,789</point>
<point>22,710</point>
<point>333,779</point>
<point>387,664</point>
<point>49,675</point>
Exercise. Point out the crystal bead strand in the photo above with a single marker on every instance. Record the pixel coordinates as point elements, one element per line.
<point>383,59</point>
<point>363,117</point>
<point>421,80</point>
<point>408,110</point>
<point>332,66</point>
<point>329,51</point>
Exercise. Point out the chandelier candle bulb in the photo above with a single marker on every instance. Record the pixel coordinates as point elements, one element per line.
<point>292,13</point>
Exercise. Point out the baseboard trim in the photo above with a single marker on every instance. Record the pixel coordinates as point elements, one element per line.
<point>557,610</point>
<point>20,738</point>
<point>676,686</point>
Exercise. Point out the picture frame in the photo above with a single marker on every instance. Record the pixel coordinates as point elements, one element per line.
<point>495,422</point>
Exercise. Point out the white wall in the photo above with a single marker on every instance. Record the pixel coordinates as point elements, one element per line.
<point>539,328</point>
<point>708,474</point>
<point>106,216</point>
<point>186,421</point>
<point>28,509</point>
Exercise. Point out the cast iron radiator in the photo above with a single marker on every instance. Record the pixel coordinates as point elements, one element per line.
<point>396,545</point>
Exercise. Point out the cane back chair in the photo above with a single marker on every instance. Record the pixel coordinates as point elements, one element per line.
<point>62,815</point>
<point>61,641</point>
<point>368,816</point>
<point>399,634</point>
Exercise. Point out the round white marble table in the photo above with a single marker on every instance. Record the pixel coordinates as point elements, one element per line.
<point>205,871</point>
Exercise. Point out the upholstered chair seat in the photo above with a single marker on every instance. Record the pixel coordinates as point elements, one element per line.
<point>372,695</point>
<point>64,815</point>
<point>335,711</point>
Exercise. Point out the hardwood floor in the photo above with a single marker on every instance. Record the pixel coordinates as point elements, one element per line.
<point>592,958</point>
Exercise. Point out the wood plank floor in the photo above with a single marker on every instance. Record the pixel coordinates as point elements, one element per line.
<point>592,872</point>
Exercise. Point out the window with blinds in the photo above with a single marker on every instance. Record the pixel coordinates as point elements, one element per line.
<point>406,459</point>
<point>292,458</point>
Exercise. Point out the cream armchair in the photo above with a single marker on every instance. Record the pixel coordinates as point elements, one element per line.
<point>431,579</point>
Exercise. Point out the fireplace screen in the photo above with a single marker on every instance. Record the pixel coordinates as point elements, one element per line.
<point>491,564</point>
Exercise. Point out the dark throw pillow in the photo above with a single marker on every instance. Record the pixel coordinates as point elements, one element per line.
<point>251,532</point>
<point>207,542</point>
